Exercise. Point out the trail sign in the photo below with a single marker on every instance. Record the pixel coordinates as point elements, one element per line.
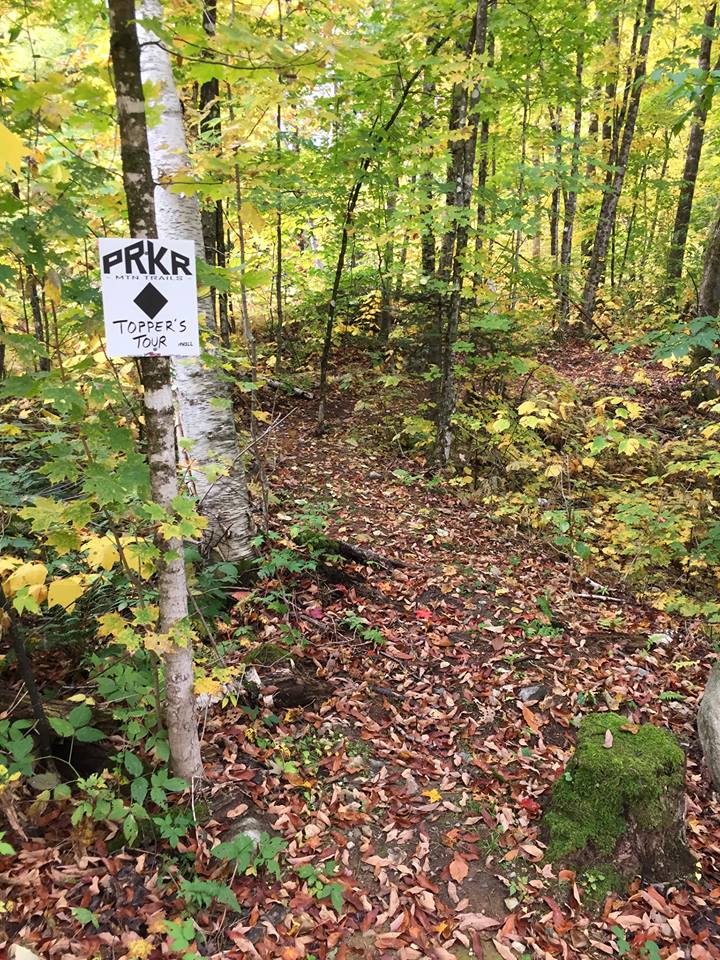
<point>149,294</point>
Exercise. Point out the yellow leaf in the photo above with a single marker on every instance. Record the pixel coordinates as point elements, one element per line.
<point>9,563</point>
<point>252,216</point>
<point>38,591</point>
<point>64,592</point>
<point>263,415</point>
<point>111,624</point>
<point>26,575</point>
<point>101,552</point>
<point>53,285</point>
<point>158,642</point>
<point>139,949</point>
<point>433,795</point>
<point>207,685</point>
<point>529,406</point>
<point>12,149</point>
<point>132,547</point>
<point>554,470</point>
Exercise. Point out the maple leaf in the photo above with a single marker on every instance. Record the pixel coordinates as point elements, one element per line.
<point>12,149</point>
<point>65,591</point>
<point>433,795</point>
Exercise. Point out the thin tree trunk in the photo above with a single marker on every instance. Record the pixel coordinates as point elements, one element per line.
<point>210,134</point>
<point>376,141</point>
<point>157,397</point>
<point>611,197</point>
<point>208,424</point>
<point>39,326</point>
<point>676,254</point>
<point>518,234</point>
<point>556,128</point>
<point>427,235</point>
<point>483,166</point>
<point>464,112</point>
<point>570,195</point>
<point>280,325</point>
<point>388,263</point>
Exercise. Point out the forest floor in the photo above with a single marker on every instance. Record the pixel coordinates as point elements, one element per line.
<point>444,695</point>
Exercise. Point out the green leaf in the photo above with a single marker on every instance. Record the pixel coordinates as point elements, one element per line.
<point>139,790</point>
<point>130,829</point>
<point>61,726</point>
<point>80,716</point>
<point>89,735</point>
<point>133,764</point>
<point>85,916</point>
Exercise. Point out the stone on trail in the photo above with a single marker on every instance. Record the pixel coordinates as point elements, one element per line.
<point>619,808</point>
<point>708,724</point>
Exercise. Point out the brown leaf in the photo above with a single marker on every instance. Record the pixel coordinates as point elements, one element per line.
<point>458,868</point>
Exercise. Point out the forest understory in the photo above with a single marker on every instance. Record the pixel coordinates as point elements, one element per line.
<point>411,723</point>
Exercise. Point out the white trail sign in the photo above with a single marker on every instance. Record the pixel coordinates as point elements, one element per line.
<point>149,294</point>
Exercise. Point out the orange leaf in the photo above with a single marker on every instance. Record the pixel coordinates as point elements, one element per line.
<point>530,719</point>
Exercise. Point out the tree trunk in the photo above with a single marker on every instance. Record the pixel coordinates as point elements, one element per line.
<point>556,128</point>
<point>209,425</point>
<point>709,290</point>
<point>570,197</point>
<point>676,254</point>
<point>280,313</point>
<point>483,165</point>
<point>464,111</point>
<point>157,397</point>
<point>611,197</point>
<point>388,263</point>
<point>708,724</point>
<point>375,143</point>
<point>427,237</point>
<point>210,135</point>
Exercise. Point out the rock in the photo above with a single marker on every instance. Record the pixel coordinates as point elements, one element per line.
<point>708,724</point>
<point>535,692</point>
<point>619,808</point>
<point>374,475</point>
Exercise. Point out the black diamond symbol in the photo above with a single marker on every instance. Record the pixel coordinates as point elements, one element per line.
<point>150,300</point>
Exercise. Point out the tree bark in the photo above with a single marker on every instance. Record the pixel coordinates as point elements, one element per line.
<point>611,197</point>
<point>209,425</point>
<point>464,111</point>
<point>676,254</point>
<point>427,237</point>
<point>483,165</point>
<point>570,195</point>
<point>709,290</point>
<point>157,398</point>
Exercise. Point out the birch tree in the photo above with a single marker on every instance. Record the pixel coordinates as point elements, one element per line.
<point>157,401</point>
<point>216,464</point>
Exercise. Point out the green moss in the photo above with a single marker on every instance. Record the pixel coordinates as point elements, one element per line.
<point>267,654</point>
<point>601,880</point>
<point>603,787</point>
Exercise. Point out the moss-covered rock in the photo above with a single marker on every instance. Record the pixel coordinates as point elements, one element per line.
<point>621,800</point>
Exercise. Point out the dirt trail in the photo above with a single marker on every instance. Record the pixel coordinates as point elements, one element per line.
<point>456,725</point>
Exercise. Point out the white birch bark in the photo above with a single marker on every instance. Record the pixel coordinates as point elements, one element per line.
<point>211,427</point>
<point>158,403</point>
